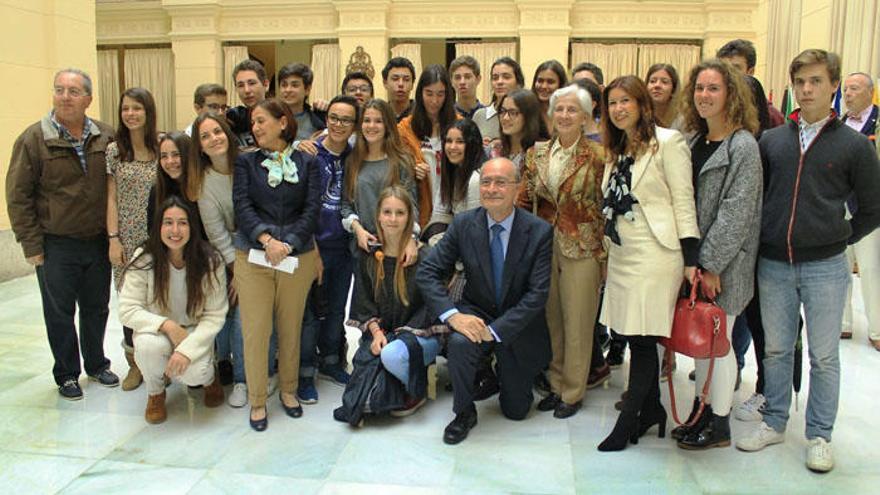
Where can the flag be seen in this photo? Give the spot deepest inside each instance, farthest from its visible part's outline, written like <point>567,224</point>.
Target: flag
<point>835,102</point>
<point>787,102</point>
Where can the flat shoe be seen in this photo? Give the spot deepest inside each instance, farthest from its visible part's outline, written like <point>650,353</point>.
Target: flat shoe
<point>294,412</point>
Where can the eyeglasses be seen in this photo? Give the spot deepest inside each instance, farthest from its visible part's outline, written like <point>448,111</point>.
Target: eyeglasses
<point>499,183</point>
<point>358,89</point>
<point>72,92</point>
<point>340,121</point>
<point>216,107</point>
<point>509,112</point>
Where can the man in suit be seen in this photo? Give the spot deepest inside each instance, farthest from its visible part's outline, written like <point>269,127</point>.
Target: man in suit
<point>861,116</point>
<point>506,254</point>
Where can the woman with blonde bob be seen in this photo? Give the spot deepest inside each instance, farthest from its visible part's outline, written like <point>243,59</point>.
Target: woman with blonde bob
<point>562,183</point>
<point>719,109</point>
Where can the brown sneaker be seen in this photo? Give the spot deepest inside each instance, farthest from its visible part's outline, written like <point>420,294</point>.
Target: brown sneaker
<point>214,393</point>
<point>411,405</point>
<point>156,412</point>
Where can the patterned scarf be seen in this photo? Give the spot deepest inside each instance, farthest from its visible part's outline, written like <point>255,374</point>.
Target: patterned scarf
<point>618,197</point>
<point>280,166</point>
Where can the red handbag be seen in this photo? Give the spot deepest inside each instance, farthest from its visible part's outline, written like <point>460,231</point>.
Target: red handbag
<point>699,330</point>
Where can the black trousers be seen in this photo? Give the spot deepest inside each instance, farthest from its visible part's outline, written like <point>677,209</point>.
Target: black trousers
<point>514,380</point>
<point>75,272</point>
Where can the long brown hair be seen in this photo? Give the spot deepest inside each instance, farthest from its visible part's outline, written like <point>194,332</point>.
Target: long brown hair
<point>739,105</point>
<point>534,127</point>
<point>614,139</point>
<point>164,183</point>
<point>399,192</point>
<point>672,107</point>
<point>200,258</point>
<point>123,135</point>
<point>199,161</point>
<point>398,156</point>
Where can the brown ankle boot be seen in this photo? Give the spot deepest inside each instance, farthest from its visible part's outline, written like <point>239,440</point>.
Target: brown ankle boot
<point>156,412</point>
<point>214,392</point>
<point>134,377</point>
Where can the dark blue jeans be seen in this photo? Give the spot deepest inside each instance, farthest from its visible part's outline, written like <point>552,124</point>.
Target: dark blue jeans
<point>76,272</point>
<point>741,338</point>
<point>325,336</point>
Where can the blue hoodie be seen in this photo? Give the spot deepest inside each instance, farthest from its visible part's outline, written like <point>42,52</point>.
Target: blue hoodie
<point>330,234</point>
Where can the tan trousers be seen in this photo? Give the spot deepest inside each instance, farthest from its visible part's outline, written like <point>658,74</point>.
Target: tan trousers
<point>152,352</point>
<point>571,317</point>
<point>267,296</point>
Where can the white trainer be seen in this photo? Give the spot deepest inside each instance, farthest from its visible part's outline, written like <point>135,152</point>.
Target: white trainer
<point>761,437</point>
<point>752,409</point>
<point>820,457</point>
<point>272,386</point>
<point>238,397</point>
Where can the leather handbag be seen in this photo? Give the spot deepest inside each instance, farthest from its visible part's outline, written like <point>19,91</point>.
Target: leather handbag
<point>699,327</point>
<point>699,330</point>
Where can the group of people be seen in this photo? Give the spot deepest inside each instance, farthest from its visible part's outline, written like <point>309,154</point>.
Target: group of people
<point>510,237</point>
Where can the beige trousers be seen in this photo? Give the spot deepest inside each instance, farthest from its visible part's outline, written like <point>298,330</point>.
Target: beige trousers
<point>571,317</point>
<point>268,297</point>
<point>151,353</point>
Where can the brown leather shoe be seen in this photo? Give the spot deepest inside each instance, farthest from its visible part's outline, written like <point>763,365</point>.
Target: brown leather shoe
<point>156,412</point>
<point>214,392</point>
<point>875,343</point>
<point>846,335</point>
<point>598,376</point>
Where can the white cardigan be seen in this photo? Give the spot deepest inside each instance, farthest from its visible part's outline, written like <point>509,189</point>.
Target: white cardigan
<point>138,311</point>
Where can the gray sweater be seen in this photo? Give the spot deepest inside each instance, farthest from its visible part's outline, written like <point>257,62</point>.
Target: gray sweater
<point>728,200</point>
<point>218,216</point>
<point>371,180</point>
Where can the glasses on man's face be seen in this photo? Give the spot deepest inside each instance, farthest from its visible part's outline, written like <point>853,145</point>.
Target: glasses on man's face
<point>500,183</point>
<point>340,121</point>
<point>72,92</point>
<point>358,89</point>
<point>217,107</point>
<point>511,113</point>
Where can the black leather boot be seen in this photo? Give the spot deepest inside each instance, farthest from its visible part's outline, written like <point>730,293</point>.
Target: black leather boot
<point>715,433</point>
<point>681,431</point>
<point>643,370</point>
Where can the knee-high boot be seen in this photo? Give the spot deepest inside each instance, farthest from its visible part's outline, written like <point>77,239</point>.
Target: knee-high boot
<point>643,370</point>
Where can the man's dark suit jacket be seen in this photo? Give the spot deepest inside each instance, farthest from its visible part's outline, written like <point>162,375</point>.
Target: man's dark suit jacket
<point>520,321</point>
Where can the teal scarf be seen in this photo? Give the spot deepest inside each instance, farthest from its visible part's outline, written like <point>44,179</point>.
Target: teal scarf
<point>281,167</point>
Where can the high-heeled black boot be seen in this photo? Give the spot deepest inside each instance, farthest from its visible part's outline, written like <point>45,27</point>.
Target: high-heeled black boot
<point>652,411</point>
<point>679,432</point>
<point>643,369</point>
<point>715,433</point>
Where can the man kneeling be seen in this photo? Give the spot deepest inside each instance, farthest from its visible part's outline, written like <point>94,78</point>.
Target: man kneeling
<point>506,255</point>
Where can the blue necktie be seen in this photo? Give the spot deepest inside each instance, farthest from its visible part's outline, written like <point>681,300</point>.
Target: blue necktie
<point>496,248</point>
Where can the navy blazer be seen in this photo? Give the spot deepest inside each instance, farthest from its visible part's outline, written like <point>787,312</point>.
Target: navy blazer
<point>520,321</point>
<point>288,212</point>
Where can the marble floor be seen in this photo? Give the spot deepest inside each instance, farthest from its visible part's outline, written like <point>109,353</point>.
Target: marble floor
<point>102,444</point>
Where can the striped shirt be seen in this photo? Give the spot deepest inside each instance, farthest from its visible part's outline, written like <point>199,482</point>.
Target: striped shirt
<point>78,144</point>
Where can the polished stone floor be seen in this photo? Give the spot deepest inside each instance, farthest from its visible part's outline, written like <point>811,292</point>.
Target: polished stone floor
<point>102,444</point>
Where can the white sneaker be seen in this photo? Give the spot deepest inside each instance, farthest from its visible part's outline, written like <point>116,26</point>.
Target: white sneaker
<point>238,397</point>
<point>763,436</point>
<point>272,386</point>
<point>751,410</point>
<point>820,457</point>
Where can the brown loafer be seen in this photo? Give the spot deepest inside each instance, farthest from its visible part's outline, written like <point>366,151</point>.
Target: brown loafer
<point>845,335</point>
<point>875,343</point>
<point>156,412</point>
<point>214,393</point>
<point>598,376</point>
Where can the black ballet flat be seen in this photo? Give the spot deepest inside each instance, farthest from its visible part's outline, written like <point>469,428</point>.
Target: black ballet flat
<point>293,412</point>
<point>259,424</point>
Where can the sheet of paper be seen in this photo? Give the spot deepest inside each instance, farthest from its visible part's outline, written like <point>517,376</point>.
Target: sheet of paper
<point>287,265</point>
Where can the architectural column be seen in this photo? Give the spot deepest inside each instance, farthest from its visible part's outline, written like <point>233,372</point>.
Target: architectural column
<point>198,53</point>
<point>727,21</point>
<point>364,23</point>
<point>544,30</point>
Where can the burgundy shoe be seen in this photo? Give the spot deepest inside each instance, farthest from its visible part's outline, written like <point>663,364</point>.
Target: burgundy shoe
<point>598,376</point>
<point>411,405</point>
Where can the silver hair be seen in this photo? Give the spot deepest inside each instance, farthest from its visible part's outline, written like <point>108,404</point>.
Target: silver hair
<point>517,173</point>
<point>582,95</point>
<point>866,76</point>
<point>87,81</point>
